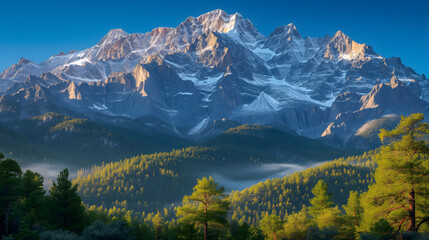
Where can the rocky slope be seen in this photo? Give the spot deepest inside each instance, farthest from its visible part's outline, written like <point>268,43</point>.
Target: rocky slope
<point>218,66</point>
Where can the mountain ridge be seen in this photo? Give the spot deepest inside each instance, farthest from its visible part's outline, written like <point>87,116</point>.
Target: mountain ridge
<point>217,66</point>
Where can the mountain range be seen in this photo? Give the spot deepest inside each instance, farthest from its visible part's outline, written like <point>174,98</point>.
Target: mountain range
<point>218,69</point>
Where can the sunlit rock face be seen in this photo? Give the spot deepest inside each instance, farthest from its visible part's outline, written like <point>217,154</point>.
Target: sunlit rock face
<point>218,66</point>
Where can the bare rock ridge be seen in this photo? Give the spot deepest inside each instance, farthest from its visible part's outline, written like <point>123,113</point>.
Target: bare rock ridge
<point>215,67</point>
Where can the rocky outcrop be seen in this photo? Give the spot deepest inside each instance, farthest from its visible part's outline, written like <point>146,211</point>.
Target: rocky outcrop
<point>352,111</point>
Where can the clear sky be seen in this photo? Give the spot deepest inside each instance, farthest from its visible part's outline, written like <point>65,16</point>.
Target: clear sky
<point>37,29</point>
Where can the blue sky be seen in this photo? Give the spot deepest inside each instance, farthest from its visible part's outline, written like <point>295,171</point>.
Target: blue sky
<point>38,29</point>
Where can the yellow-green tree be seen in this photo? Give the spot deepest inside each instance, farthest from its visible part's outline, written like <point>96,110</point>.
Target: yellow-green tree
<point>206,206</point>
<point>322,199</point>
<point>271,226</point>
<point>297,225</point>
<point>401,189</point>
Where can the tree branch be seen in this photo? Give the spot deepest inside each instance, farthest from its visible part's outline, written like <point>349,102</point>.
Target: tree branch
<point>421,222</point>
<point>402,221</point>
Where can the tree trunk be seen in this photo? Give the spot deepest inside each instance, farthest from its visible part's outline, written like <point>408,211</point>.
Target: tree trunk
<point>157,233</point>
<point>206,223</point>
<point>206,231</point>
<point>412,211</point>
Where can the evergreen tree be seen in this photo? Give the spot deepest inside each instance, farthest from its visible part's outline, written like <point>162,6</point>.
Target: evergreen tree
<point>322,199</point>
<point>206,206</point>
<point>353,211</point>
<point>67,207</point>
<point>353,208</point>
<point>10,173</point>
<point>33,196</point>
<point>240,232</point>
<point>401,190</point>
<point>157,222</point>
<point>297,225</point>
<point>255,233</point>
<point>271,226</point>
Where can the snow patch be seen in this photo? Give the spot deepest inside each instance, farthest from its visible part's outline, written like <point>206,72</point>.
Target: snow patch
<point>184,93</point>
<point>207,84</point>
<point>98,107</point>
<point>263,103</point>
<point>79,62</point>
<point>264,53</point>
<point>199,127</point>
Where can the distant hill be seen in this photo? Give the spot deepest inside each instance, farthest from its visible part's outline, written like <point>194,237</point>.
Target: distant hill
<point>58,138</point>
<point>147,183</point>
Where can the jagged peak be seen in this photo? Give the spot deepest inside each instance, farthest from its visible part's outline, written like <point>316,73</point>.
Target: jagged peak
<point>113,35</point>
<point>117,32</point>
<point>219,21</point>
<point>340,34</point>
<point>24,61</point>
<point>60,54</point>
<point>214,14</point>
<point>289,31</point>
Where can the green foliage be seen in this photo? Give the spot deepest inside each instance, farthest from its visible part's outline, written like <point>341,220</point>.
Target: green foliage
<point>322,199</point>
<point>58,235</point>
<point>271,225</point>
<point>297,225</point>
<point>99,230</point>
<point>68,208</point>
<point>33,196</point>
<point>273,145</point>
<point>240,231</point>
<point>382,229</point>
<point>354,212</point>
<point>353,208</point>
<point>206,206</point>
<point>255,233</point>
<point>288,194</point>
<point>10,173</point>
<point>400,192</point>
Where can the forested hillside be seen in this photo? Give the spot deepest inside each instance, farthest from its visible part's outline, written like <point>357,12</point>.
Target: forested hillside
<point>133,184</point>
<point>287,195</point>
<point>59,138</point>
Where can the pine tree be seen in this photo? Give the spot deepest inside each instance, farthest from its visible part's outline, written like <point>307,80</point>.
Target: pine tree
<point>297,225</point>
<point>157,222</point>
<point>67,207</point>
<point>10,174</point>
<point>206,206</point>
<point>353,208</point>
<point>322,199</point>
<point>271,225</point>
<point>33,196</point>
<point>354,212</point>
<point>401,189</point>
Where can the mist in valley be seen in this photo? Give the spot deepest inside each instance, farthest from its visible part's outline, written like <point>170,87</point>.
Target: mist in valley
<point>239,177</point>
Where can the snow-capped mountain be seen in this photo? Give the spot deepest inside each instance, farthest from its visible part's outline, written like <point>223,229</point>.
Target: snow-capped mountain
<point>218,66</point>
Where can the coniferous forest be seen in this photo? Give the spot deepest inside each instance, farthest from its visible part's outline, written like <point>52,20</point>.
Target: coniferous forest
<point>378,194</point>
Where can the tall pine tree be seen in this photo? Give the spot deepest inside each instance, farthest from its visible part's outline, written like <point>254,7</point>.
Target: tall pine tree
<point>206,206</point>
<point>401,189</point>
<point>10,174</point>
<point>322,199</point>
<point>67,207</point>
